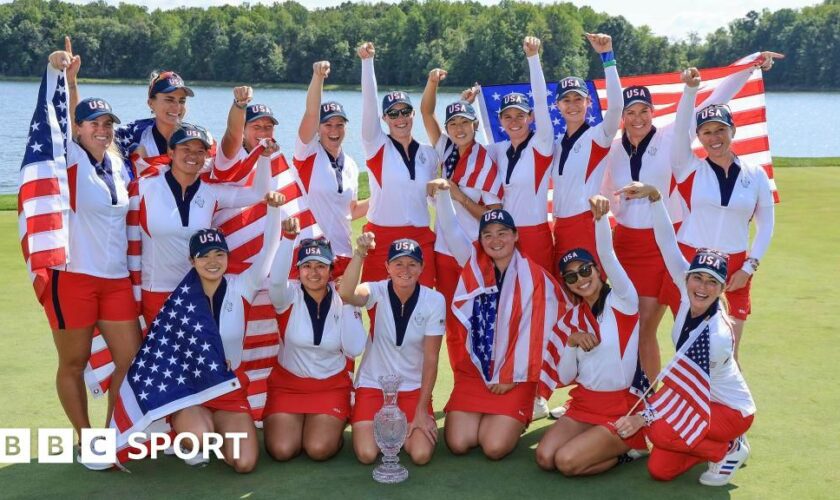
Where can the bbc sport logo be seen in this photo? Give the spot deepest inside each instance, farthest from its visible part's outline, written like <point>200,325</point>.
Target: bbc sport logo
<point>99,446</point>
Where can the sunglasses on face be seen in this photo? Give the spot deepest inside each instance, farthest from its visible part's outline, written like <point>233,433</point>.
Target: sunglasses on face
<point>583,271</point>
<point>395,113</point>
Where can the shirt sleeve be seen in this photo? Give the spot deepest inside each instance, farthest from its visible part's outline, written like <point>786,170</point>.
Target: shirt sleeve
<point>682,156</point>
<point>764,219</point>
<point>372,136</point>
<point>612,118</point>
<point>377,291</point>
<point>544,136</point>
<point>280,289</point>
<point>304,151</point>
<point>436,322</point>
<point>252,279</point>
<point>666,239</point>
<point>353,334</point>
<point>459,243</point>
<point>624,293</point>
<point>440,146</point>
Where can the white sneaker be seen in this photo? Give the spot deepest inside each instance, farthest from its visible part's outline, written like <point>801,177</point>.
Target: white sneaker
<point>90,465</point>
<point>558,412</point>
<point>540,408</point>
<point>720,473</point>
<point>196,460</point>
<point>637,454</point>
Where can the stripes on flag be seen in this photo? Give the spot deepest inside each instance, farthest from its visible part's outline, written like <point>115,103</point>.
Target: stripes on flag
<point>683,401</point>
<point>477,170</point>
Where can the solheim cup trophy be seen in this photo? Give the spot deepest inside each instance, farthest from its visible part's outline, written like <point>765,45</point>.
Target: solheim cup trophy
<point>389,430</point>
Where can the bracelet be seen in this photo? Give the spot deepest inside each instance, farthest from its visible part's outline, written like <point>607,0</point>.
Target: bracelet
<point>608,58</point>
<point>240,106</point>
<point>649,415</point>
<point>753,262</point>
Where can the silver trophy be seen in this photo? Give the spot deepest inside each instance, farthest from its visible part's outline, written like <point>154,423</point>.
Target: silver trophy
<point>390,428</point>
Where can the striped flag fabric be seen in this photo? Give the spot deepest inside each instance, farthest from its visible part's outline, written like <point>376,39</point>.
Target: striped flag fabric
<point>554,374</point>
<point>44,192</point>
<point>506,341</point>
<point>477,170</point>
<point>751,142</point>
<point>683,401</point>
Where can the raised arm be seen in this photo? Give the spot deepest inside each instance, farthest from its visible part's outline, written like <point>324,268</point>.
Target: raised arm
<point>622,287</point>
<point>279,289</point>
<point>311,117</point>
<point>353,334</point>
<point>612,118</point>
<point>254,277</point>
<point>428,103</point>
<point>352,292</point>
<point>66,60</point>
<point>235,131</point>
<point>544,134</point>
<point>459,243</point>
<point>682,155</point>
<point>372,133</point>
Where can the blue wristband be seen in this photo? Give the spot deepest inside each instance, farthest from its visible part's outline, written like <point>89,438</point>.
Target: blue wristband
<point>607,56</point>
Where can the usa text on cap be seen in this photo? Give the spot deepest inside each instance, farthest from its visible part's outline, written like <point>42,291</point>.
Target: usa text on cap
<point>460,108</point>
<point>318,250</point>
<point>635,94</point>
<point>710,262</point>
<point>391,99</point>
<point>205,240</point>
<point>572,84</point>
<point>256,111</point>
<point>577,254</point>
<point>515,100</point>
<point>168,82</point>
<point>496,216</point>
<point>189,132</point>
<point>92,108</point>
<point>715,113</point>
<point>330,109</point>
<point>405,247</point>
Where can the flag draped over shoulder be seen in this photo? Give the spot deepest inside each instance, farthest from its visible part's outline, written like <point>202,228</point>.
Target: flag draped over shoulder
<point>180,364</point>
<point>44,192</point>
<point>506,327</point>
<point>554,374</point>
<point>683,401</point>
<point>477,170</point>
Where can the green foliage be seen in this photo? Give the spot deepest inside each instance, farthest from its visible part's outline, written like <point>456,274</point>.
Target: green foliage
<point>474,42</point>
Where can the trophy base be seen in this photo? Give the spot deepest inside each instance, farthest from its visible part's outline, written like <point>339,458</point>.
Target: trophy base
<point>390,473</point>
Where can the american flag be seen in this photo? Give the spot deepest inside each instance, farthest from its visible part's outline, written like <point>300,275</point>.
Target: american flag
<point>128,137</point>
<point>684,398</point>
<point>44,193</point>
<point>554,374</point>
<point>475,169</point>
<point>491,100</point>
<point>526,310</point>
<point>181,363</point>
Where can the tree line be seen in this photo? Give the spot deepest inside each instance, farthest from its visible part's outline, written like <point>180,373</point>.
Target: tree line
<point>278,43</point>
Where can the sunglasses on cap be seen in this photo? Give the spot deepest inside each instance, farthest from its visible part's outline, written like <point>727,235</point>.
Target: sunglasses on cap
<point>395,113</point>
<point>583,271</point>
<point>323,242</point>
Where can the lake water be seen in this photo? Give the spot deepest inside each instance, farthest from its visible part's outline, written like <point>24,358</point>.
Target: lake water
<point>801,123</point>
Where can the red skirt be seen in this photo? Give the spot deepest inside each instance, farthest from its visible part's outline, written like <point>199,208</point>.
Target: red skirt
<point>740,305</point>
<point>369,401</point>
<point>288,393</point>
<point>374,268</point>
<point>535,242</point>
<point>448,273</point>
<point>639,255</point>
<point>235,401</point>
<point>577,231</point>
<point>471,394</point>
<point>152,303</point>
<point>603,408</point>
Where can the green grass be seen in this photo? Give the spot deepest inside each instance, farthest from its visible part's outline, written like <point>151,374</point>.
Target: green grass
<point>789,356</point>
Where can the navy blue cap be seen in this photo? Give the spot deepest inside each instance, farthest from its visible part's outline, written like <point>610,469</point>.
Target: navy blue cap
<point>405,247</point>
<point>391,99</point>
<point>188,132</point>
<point>332,108</point>
<point>205,240</point>
<point>637,93</point>
<point>572,84</point>
<point>515,100</point>
<point>460,108</point>
<point>577,254</point>
<point>167,82</point>
<point>496,216</point>
<point>256,111</point>
<point>92,108</point>
<point>318,249</point>
<point>714,113</point>
<point>711,262</point>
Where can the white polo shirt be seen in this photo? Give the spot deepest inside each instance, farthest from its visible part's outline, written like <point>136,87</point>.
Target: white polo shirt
<point>383,355</point>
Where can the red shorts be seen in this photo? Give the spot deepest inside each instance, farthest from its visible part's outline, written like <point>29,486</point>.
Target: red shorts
<point>639,255</point>
<point>740,305</point>
<point>339,265</point>
<point>603,408</point>
<point>288,393</point>
<point>535,243</point>
<point>471,394</point>
<point>577,231</point>
<point>374,268</point>
<point>448,273</point>
<point>235,401</point>
<point>369,401</point>
<point>152,304</point>
<point>76,300</point>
